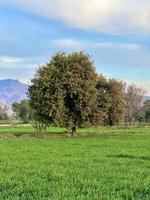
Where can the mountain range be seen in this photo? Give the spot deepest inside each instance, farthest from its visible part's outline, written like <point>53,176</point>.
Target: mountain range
<point>12,91</point>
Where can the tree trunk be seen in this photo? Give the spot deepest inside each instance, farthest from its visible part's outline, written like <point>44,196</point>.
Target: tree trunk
<point>73,133</point>
<point>126,123</point>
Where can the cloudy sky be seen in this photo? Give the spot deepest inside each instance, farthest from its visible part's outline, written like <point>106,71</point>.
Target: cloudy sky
<point>116,33</point>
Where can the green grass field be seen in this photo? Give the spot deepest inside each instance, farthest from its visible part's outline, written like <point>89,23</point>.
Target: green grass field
<point>113,165</point>
<point>27,129</point>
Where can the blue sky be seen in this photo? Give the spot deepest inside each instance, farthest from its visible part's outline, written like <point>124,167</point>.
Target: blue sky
<point>117,38</point>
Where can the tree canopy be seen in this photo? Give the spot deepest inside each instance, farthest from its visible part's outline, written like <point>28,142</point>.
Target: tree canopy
<point>67,91</point>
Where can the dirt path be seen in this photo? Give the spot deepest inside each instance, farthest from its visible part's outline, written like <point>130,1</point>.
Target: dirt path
<point>30,136</point>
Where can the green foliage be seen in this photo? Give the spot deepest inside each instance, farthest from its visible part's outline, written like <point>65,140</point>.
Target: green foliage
<point>117,107</point>
<point>91,168</point>
<point>100,113</point>
<point>79,89</point>
<point>63,92</point>
<point>22,110</point>
<point>144,112</point>
<point>68,92</point>
<point>110,105</point>
<point>146,108</point>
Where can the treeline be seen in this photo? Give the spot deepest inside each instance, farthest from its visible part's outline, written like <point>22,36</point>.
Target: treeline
<point>67,91</point>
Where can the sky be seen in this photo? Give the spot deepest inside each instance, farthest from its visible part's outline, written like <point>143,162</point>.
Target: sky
<point>116,33</point>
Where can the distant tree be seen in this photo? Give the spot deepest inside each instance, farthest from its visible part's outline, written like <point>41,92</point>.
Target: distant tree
<point>134,97</point>
<point>146,108</point>
<point>117,104</point>
<point>144,112</point>
<point>63,92</point>
<point>3,111</point>
<point>22,110</point>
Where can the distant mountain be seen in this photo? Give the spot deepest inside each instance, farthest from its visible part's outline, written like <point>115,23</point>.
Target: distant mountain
<point>145,98</point>
<point>12,91</point>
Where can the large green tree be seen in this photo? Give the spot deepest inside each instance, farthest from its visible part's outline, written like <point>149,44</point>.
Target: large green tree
<point>63,92</point>
<point>67,91</point>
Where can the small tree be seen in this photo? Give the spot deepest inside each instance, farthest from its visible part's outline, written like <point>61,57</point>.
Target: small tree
<point>38,124</point>
<point>22,110</point>
<point>3,111</point>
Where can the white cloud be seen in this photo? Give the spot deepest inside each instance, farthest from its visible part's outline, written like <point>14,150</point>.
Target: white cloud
<point>68,43</point>
<point>118,45</point>
<point>11,60</point>
<point>121,54</point>
<point>73,44</point>
<point>108,53</point>
<point>107,16</point>
<point>16,62</point>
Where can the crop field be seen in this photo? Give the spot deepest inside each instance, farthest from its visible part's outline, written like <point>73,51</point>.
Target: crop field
<point>26,129</point>
<point>113,164</point>
<point>21,129</point>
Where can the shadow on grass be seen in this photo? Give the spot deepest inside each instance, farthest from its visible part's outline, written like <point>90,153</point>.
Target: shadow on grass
<point>126,156</point>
